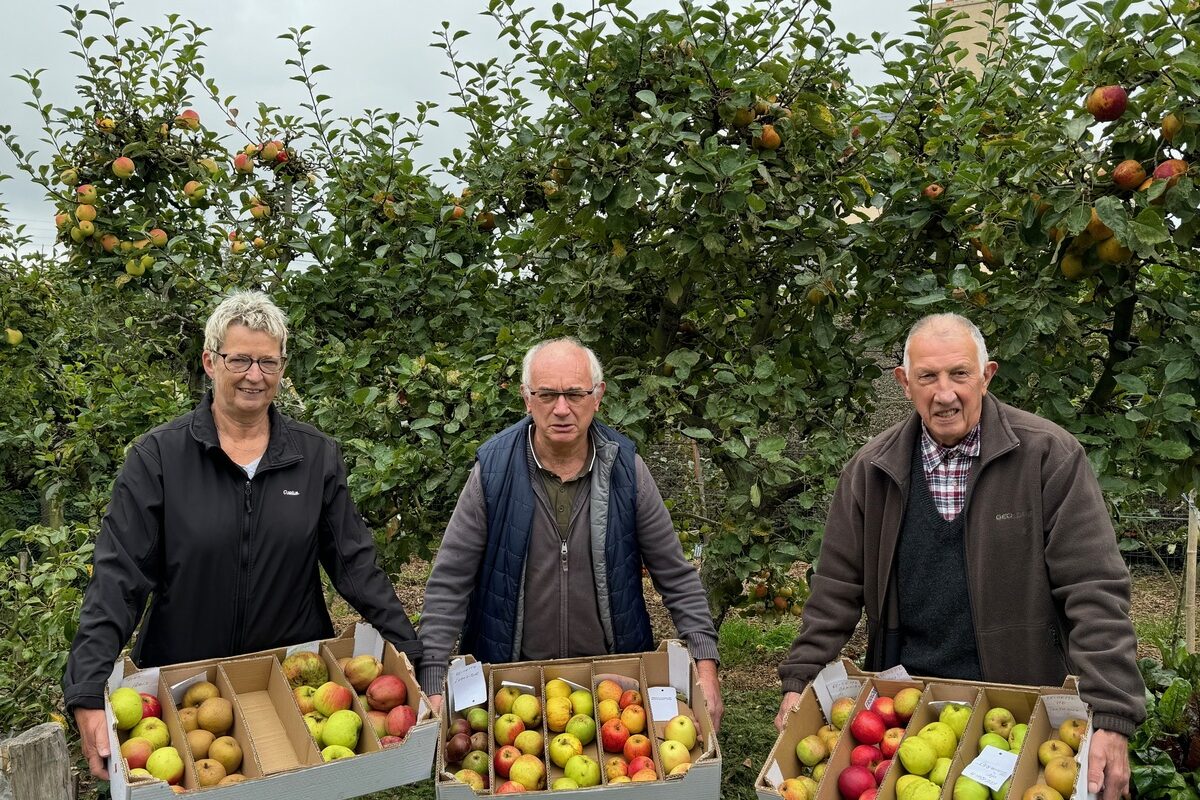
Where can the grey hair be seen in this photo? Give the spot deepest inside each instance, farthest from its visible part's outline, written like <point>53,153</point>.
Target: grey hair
<point>531,354</point>
<point>246,307</point>
<point>945,323</point>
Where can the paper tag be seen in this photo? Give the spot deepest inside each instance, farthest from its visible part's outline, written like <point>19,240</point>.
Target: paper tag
<point>896,673</point>
<point>663,705</point>
<point>679,667</point>
<point>367,641</point>
<point>422,708</point>
<point>1062,707</point>
<point>305,647</point>
<point>774,775</point>
<point>144,681</point>
<point>992,767</point>
<point>524,687</point>
<point>465,684</point>
<point>577,687</point>
<point>180,689</point>
<point>833,673</point>
<point>1085,749</point>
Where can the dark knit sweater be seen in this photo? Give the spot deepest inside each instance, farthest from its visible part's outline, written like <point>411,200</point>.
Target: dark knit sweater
<point>937,635</point>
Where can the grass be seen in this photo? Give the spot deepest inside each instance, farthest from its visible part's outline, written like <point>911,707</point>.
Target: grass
<point>744,642</point>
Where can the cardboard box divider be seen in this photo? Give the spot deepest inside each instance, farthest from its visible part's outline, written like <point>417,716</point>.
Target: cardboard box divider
<point>1029,769</point>
<point>628,673</point>
<point>526,675</point>
<point>782,762</point>
<point>442,770</point>
<point>339,779</point>
<point>925,713</point>
<point>702,782</point>
<point>393,664</point>
<point>577,672</point>
<point>269,712</point>
<point>656,671</point>
<point>170,677</point>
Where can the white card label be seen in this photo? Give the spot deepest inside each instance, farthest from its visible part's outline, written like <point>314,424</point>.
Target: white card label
<point>466,686</point>
<point>144,681</point>
<point>992,767</point>
<point>367,641</point>
<point>305,647</point>
<point>774,775</point>
<point>1062,707</point>
<point>896,673</point>
<point>180,689</point>
<point>524,687</point>
<point>679,666</point>
<point>832,677</point>
<point>662,703</point>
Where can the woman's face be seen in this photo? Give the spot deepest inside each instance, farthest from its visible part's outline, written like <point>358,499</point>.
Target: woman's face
<point>243,395</point>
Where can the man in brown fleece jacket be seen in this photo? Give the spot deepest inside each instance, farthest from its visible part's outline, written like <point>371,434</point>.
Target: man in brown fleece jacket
<point>542,557</point>
<point>975,537</point>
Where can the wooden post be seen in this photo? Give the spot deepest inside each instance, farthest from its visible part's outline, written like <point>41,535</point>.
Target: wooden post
<point>36,765</point>
<point>1189,575</point>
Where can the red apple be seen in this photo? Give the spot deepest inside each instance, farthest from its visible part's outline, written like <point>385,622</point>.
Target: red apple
<point>613,735</point>
<point>869,794</point>
<point>504,758</point>
<point>881,770</point>
<point>150,706</point>
<point>629,697</point>
<point>1128,175</point>
<point>637,745</point>
<point>854,780</point>
<point>886,708</point>
<point>1171,169</point>
<point>891,741</point>
<point>639,763</point>
<point>509,787</point>
<point>868,728</point>
<point>400,720</point>
<point>866,755</point>
<point>1107,103</point>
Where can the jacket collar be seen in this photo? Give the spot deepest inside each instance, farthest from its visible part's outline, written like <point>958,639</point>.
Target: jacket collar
<point>996,438</point>
<point>281,447</point>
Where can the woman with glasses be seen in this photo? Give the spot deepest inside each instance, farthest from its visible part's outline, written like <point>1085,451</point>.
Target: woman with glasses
<point>217,525</point>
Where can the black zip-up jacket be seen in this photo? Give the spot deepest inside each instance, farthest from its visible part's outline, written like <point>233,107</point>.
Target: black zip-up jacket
<point>231,564</point>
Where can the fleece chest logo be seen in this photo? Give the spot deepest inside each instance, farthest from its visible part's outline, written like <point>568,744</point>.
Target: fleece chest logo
<point>1012,515</point>
<point>291,493</point>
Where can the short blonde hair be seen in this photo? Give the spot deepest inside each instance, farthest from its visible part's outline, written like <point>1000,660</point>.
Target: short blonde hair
<point>246,307</point>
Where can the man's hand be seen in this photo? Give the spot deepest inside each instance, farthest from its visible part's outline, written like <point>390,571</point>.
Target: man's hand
<point>93,735</point>
<point>706,669</point>
<point>1108,765</point>
<point>435,703</point>
<point>791,701</point>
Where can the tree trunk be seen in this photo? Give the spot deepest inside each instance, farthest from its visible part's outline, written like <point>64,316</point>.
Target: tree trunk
<point>36,765</point>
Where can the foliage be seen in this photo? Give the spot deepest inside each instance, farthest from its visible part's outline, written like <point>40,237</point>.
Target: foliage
<point>39,610</point>
<point>703,195</point>
<point>1165,749</point>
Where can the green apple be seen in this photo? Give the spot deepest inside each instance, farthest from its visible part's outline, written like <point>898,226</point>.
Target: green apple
<point>999,720</point>
<point>811,750</point>
<point>1016,737</point>
<point>681,729</point>
<point>563,747</point>
<point>1002,792</point>
<point>941,736</point>
<point>941,769</point>
<point>563,783</point>
<point>582,727</point>
<point>166,764</point>
<point>917,755</point>
<point>342,727</point>
<point>335,751</point>
<point>993,740</point>
<point>956,717</point>
<point>581,702</point>
<point>583,770</point>
<point>967,789</point>
<point>127,707</point>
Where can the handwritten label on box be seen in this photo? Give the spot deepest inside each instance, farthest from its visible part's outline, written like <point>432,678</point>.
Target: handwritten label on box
<point>992,767</point>
<point>465,684</point>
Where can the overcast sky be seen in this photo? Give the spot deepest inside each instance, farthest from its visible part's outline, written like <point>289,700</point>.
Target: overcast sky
<point>378,52</point>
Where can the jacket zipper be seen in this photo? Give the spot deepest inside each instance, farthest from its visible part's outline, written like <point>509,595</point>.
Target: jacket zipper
<point>562,592</point>
<point>243,559</point>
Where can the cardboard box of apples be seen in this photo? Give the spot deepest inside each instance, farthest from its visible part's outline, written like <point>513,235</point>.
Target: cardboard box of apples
<point>862,736</point>
<point>623,726</point>
<point>335,718</point>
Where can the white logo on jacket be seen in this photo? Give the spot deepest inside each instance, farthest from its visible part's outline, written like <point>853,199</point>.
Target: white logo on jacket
<point>291,493</point>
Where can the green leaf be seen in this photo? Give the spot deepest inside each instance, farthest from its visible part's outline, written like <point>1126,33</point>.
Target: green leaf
<point>770,447</point>
<point>647,97</point>
<point>697,433</point>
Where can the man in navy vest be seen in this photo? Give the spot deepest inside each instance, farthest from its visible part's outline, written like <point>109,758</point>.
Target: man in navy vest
<point>543,555</point>
<point>976,538</point>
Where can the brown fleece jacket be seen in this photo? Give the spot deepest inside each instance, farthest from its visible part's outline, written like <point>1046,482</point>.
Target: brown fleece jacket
<point>1048,589</point>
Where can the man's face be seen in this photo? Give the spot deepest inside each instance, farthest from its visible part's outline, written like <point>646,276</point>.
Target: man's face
<point>944,383</point>
<point>243,395</point>
<point>561,423</point>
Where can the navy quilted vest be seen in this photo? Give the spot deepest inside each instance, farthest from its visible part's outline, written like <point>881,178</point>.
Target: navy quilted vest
<point>509,497</point>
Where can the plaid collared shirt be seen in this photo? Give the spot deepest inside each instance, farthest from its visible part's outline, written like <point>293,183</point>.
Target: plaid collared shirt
<point>947,470</point>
